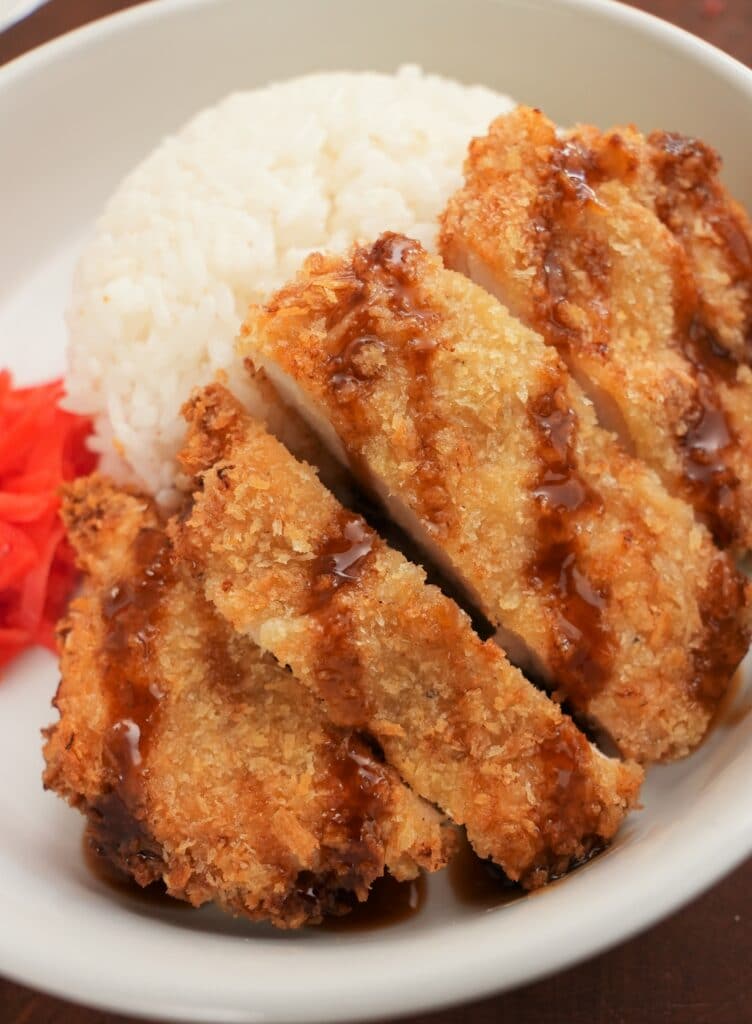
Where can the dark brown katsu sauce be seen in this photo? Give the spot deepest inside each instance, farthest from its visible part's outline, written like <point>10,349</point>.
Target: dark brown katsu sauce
<point>705,350</point>
<point>706,444</point>
<point>568,806</point>
<point>131,615</point>
<point>594,847</point>
<point>340,560</point>
<point>479,883</point>
<point>389,903</point>
<point>121,882</point>
<point>386,280</point>
<point>707,439</point>
<point>689,171</point>
<point>583,644</point>
<point>338,566</point>
<point>360,802</point>
<point>568,187</point>
<point>360,799</point>
<point>731,711</point>
<point>725,635</point>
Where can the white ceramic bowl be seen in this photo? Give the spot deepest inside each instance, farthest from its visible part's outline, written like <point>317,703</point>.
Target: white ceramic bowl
<point>12,11</point>
<point>79,113</point>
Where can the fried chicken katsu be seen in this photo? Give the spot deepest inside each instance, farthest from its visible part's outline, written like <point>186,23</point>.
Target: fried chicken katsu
<point>679,178</point>
<point>481,444</point>
<point>596,242</point>
<point>311,583</point>
<point>196,758</point>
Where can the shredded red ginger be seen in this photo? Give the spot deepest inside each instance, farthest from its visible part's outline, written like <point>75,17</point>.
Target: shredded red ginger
<point>41,445</point>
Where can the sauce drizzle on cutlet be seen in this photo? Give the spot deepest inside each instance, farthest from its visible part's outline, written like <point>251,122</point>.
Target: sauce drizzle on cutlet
<point>361,791</point>
<point>583,643</point>
<point>360,801</point>
<point>565,754</point>
<point>725,636</point>
<point>131,613</point>
<point>688,171</point>
<point>568,187</point>
<point>385,279</point>
<point>339,564</point>
<point>707,437</point>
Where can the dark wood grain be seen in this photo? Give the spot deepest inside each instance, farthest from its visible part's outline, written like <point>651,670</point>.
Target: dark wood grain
<point>694,968</point>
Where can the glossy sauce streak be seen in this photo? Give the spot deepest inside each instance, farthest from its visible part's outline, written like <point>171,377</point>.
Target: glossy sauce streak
<point>566,756</point>
<point>121,883</point>
<point>389,903</point>
<point>360,802</point>
<point>725,639</point>
<point>708,438</point>
<point>386,281</point>
<point>349,368</point>
<point>706,350</point>
<point>361,793</point>
<point>480,883</point>
<point>339,564</point>
<point>688,170</point>
<point>361,789</point>
<point>581,658</point>
<point>706,444</point>
<point>568,188</point>
<point>131,614</point>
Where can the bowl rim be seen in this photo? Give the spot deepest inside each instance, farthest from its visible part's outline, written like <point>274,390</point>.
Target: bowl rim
<point>149,10</point>
<point>712,854</point>
<point>17,11</point>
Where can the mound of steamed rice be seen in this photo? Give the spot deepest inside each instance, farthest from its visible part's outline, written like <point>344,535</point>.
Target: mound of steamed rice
<point>224,212</point>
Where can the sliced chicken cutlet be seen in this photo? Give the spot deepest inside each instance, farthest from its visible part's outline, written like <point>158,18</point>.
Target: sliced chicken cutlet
<point>196,758</point>
<point>390,655</point>
<point>546,224</point>
<point>481,444</point>
<point>679,178</point>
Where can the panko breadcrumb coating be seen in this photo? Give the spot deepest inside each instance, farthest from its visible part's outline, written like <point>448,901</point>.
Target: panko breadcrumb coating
<point>196,758</point>
<point>629,257</point>
<point>477,438</point>
<point>679,178</point>
<point>311,583</point>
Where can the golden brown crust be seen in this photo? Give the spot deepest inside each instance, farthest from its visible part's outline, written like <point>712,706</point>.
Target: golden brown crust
<point>564,231</point>
<point>564,540</point>
<point>680,178</point>
<point>360,628</point>
<point>232,786</point>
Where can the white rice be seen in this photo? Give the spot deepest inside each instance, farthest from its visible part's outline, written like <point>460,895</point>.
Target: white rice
<point>224,212</point>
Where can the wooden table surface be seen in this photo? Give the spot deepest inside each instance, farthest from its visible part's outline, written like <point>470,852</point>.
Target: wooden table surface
<point>694,968</point>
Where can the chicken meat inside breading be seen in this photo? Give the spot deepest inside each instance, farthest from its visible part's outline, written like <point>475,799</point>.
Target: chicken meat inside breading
<point>478,440</point>
<point>630,258</point>
<point>390,655</point>
<point>196,758</point>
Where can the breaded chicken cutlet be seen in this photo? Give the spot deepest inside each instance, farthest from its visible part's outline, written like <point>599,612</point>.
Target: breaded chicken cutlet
<point>311,583</point>
<point>481,444</point>
<point>594,244</point>
<point>679,178</point>
<point>196,759</point>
